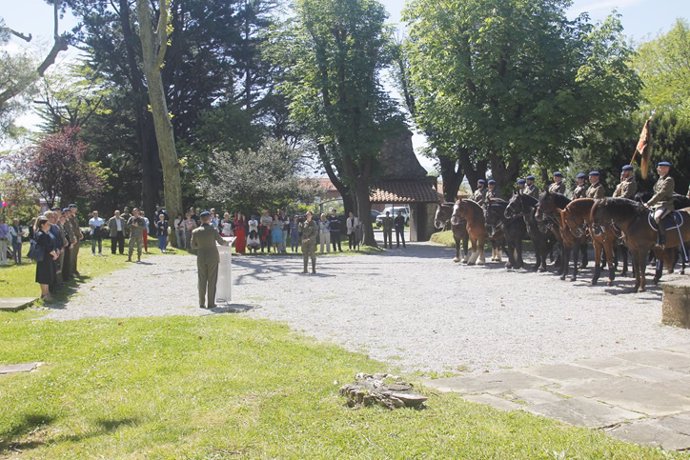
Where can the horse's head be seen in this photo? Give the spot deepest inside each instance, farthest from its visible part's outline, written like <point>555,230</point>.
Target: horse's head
<point>444,212</point>
<point>514,207</point>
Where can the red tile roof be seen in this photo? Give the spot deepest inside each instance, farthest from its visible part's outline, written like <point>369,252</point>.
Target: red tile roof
<point>404,192</point>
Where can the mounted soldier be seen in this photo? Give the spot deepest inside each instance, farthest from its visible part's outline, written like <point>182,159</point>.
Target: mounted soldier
<point>531,189</point>
<point>558,186</point>
<point>479,194</point>
<point>661,203</point>
<point>596,189</point>
<point>580,190</point>
<point>627,188</point>
<point>491,192</point>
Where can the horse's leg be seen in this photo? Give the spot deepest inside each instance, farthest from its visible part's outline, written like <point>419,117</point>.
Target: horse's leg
<point>659,267</point>
<point>474,253</point>
<point>457,249</point>
<point>642,273</point>
<point>465,247</point>
<point>565,260</point>
<point>609,253</point>
<point>576,261</point>
<point>639,259</point>
<point>480,243</point>
<point>597,259</point>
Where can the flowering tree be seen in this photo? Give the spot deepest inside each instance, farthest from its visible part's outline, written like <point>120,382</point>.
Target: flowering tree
<point>57,167</point>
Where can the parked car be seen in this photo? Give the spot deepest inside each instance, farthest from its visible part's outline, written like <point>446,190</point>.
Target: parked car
<point>394,212</point>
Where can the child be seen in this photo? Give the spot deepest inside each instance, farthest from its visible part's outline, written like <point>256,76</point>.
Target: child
<point>253,242</point>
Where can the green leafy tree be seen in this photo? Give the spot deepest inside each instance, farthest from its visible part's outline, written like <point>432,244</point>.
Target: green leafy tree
<point>514,82</point>
<point>333,53</point>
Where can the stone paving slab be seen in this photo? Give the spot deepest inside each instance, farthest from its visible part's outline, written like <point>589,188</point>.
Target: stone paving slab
<point>584,412</point>
<point>17,368</point>
<point>15,303</point>
<point>492,383</point>
<point>533,397</point>
<point>494,401</point>
<point>609,365</point>
<point>659,358</point>
<point>653,374</point>
<point>651,432</point>
<point>566,373</point>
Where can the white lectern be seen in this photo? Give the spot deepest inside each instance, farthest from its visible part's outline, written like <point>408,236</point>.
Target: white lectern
<point>224,285</point>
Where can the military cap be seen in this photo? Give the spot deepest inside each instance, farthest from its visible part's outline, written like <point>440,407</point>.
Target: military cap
<point>481,181</point>
<point>205,214</point>
<point>581,175</point>
<point>492,182</point>
<point>627,168</point>
<point>594,173</point>
<point>664,163</point>
<point>65,209</point>
<point>72,205</point>
<point>530,177</point>
<point>558,174</point>
<point>521,181</point>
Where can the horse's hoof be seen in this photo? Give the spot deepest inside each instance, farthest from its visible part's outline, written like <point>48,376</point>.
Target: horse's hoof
<point>573,278</point>
<point>541,269</point>
<point>655,281</point>
<point>469,264</point>
<point>509,266</point>
<point>595,281</point>
<point>563,277</point>
<point>642,289</point>
<point>456,260</point>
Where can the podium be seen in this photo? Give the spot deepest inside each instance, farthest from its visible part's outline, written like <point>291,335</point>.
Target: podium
<point>224,285</point>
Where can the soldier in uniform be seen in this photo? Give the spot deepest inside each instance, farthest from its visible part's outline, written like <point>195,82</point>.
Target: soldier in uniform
<point>479,194</point>
<point>627,188</point>
<point>204,239</point>
<point>662,201</point>
<point>595,189</point>
<point>309,232</point>
<point>558,186</point>
<point>136,225</point>
<point>125,216</point>
<point>491,192</point>
<point>520,186</point>
<point>74,259</point>
<point>580,190</point>
<point>531,189</point>
<point>387,230</point>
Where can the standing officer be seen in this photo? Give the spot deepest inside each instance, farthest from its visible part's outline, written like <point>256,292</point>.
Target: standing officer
<point>531,189</point>
<point>74,259</point>
<point>399,224</point>
<point>309,235</point>
<point>479,195</point>
<point>558,186</point>
<point>580,190</point>
<point>136,225</point>
<point>491,192</point>
<point>627,188</point>
<point>662,201</point>
<point>204,239</point>
<point>387,230</point>
<point>595,189</point>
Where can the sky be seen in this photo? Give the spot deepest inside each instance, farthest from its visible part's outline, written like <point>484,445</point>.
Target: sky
<point>642,21</point>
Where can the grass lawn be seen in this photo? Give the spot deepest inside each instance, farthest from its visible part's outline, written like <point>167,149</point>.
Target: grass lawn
<point>443,238</point>
<point>226,386</point>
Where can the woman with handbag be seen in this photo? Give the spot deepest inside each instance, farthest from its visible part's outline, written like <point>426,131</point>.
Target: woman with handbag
<point>44,253</point>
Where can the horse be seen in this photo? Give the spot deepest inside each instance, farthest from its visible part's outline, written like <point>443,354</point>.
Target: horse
<point>576,218</point>
<point>549,212</point>
<point>634,221</point>
<point>521,205</point>
<point>476,229</point>
<point>509,231</point>
<point>443,215</point>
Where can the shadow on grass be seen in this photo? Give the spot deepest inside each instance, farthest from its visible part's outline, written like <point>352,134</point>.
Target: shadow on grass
<point>27,427</point>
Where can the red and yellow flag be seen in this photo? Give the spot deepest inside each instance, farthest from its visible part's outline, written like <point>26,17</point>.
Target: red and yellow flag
<point>642,149</point>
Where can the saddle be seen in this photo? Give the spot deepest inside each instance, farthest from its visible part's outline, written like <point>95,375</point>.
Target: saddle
<point>671,221</point>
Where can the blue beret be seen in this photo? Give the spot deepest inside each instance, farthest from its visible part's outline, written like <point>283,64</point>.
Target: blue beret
<point>530,177</point>
<point>581,175</point>
<point>481,181</point>
<point>491,181</point>
<point>72,205</point>
<point>65,210</point>
<point>627,168</point>
<point>204,214</point>
<point>594,173</point>
<point>558,174</point>
<point>521,181</point>
<point>664,163</point>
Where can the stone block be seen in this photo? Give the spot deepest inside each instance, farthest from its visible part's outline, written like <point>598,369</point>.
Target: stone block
<point>584,412</point>
<point>658,358</point>
<point>652,432</point>
<point>675,305</point>
<point>15,303</point>
<point>495,383</point>
<point>494,401</point>
<point>16,368</point>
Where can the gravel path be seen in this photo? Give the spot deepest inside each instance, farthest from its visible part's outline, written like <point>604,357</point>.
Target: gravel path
<point>413,308</point>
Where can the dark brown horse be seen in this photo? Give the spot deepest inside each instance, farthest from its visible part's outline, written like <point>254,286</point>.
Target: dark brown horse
<point>442,218</point>
<point>521,205</point>
<point>548,212</point>
<point>633,219</point>
<point>473,214</point>
<point>576,218</point>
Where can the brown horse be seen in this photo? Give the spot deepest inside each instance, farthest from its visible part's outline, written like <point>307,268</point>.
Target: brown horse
<point>443,215</point>
<point>633,219</point>
<point>476,228</point>
<point>548,212</point>
<point>576,218</point>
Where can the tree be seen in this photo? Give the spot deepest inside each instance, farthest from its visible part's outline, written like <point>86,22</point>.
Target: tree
<point>58,169</point>
<point>513,82</point>
<point>265,177</point>
<point>664,66</point>
<point>153,44</point>
<point>333,54</point>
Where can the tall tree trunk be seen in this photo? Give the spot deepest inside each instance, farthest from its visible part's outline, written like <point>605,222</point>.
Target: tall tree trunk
<point>363,211</point>
<point>473,172</point>
<point>153,52</point>
<point>504,173</point>
<point>451,178</point>
<point>344,190</point>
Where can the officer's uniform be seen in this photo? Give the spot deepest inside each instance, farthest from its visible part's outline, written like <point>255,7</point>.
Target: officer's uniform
<point>479,196</point>
<point>309,234</point>
<point>387,222</point>
<point>74,258</point>
<point>596,191</point>
<point>204,240</point>
<point>626,189</point>
<point>580,191</point>
<point>662,202</point>
<point>531,190</point>
<point>136,226</point>
<point>557,187</point>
